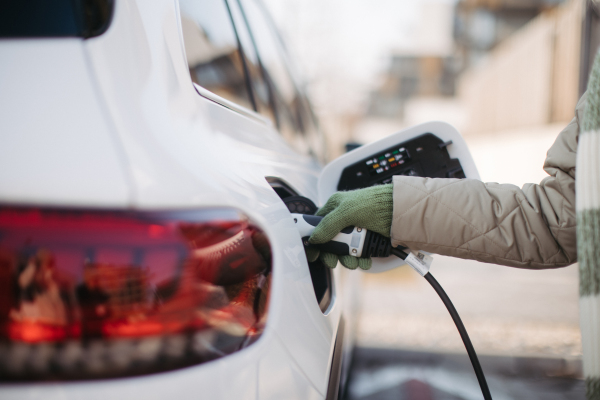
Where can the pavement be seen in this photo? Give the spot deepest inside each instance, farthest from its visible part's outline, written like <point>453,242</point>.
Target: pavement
<point>383,374</point>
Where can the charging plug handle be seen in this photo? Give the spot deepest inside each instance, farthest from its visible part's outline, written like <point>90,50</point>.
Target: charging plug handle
<point>350,241</point>
<point>354,241</point>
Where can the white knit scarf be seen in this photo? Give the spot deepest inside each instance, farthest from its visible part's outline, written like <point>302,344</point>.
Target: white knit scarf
<point>588,233</point>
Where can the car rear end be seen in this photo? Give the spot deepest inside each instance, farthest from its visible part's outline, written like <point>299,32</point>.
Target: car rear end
<point>142,250</point>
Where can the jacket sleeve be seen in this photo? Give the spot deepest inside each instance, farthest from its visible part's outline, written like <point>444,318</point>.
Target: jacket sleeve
<point>532,227</point>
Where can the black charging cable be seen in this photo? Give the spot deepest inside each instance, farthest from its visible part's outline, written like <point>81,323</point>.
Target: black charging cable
<point>485,390</point>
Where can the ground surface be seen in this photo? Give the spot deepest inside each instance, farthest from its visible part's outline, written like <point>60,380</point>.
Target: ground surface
<point>379,374</point>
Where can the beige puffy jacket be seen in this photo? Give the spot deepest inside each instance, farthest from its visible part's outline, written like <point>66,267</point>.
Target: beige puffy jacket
<point>532,227</point>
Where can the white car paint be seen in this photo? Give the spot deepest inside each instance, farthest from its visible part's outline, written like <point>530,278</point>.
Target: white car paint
<point>57,144</point>
<point>115,121</point>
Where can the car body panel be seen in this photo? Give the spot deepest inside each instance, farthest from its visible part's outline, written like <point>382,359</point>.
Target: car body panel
<point>58,146</point>
<point>172,148</point>
<point>274,368</point>
<point>200,144</point>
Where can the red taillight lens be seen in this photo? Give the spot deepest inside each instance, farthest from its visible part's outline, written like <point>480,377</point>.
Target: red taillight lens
<point>92,294</point>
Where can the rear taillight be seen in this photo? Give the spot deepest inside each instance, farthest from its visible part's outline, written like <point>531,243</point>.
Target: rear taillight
<point>96,294</point>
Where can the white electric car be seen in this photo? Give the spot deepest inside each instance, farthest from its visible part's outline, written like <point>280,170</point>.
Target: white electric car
<point>150,154</point>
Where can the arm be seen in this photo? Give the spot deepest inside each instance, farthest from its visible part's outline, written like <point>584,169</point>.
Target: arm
<point>532,227</point>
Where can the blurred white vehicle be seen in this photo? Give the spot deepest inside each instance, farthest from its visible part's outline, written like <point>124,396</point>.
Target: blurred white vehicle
<point>150,153</point>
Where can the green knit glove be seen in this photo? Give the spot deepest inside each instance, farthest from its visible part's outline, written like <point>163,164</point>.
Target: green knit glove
<point>331,260</point>
<point>369,208</point>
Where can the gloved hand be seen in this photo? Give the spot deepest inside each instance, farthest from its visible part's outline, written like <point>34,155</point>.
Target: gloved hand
<point>330,260</point>
<point>369,208</point>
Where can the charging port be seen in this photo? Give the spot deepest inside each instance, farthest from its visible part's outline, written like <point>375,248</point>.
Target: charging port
<point>320,275</point>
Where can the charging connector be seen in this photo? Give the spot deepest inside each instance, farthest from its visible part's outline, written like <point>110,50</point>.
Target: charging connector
<point>350,241</point>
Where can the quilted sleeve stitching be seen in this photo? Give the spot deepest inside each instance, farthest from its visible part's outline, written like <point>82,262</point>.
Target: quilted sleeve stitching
<point>449,209</point>
<point>492,229</point>
<point>481,234</point>
<point>423,199</point>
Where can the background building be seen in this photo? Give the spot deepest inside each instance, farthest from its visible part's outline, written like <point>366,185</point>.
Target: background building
<point>530,78</point>
<point>480,25</point>
<point>412,76</point>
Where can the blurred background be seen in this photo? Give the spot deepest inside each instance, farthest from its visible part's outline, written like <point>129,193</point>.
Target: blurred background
<point>507,74</point>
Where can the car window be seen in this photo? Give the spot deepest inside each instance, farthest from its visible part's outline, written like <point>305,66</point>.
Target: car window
<point>285,95</point>
<point>212,50</point>
<point>58,18</point>
<point>260,88</point>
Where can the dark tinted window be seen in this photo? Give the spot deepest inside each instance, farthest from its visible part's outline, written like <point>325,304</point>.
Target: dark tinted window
<point>285,95</point>
<point>260,89</point>
<point>212,49</point>
<point>56,18</point>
